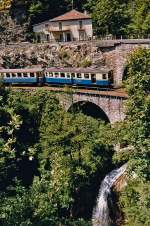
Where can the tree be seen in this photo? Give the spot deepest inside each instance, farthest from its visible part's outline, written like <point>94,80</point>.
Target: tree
<point>71,154</point>
<point>136,131</point>
<point>9,124</point>
<point>110,17</point>
<point>70,144</point>
<point>140,18</point>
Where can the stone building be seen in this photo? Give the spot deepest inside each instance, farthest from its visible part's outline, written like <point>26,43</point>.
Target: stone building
<point>71,26</point>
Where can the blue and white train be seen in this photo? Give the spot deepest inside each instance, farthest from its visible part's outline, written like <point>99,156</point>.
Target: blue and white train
<point>65,76</point>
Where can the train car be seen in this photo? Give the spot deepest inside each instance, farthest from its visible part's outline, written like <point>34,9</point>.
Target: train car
<point>102,77</point>
<point>79,76</point>
<point>22,76</point>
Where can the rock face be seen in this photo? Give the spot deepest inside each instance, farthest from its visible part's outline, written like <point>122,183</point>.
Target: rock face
<point>13,25</point>
<point>75,55</point>
<point>117,213</point>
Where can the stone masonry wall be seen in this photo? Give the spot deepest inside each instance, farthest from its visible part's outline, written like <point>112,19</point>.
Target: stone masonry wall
<point>117,59</point>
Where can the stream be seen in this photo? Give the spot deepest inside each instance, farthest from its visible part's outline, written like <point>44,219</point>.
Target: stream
<point>100,215</point>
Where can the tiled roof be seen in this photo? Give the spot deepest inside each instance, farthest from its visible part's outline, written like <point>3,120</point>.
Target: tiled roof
<point>71,15</point>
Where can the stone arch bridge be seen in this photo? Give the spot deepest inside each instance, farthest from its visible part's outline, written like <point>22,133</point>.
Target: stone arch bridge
<point>108,105</point>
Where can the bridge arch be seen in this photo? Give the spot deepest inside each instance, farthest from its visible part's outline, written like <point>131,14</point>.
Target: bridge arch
<point>90,109</point>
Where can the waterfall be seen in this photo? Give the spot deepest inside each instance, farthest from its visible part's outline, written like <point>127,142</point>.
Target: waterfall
<point>101,211</point>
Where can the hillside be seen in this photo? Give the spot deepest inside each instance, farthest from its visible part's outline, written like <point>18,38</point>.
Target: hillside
<point>128,18</point>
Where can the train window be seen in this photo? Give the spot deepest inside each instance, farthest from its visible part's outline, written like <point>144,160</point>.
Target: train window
<point>104,76</point>
<point>62,75</point>
<point>79,75</point>
<point>73,75</point>
<point>25,75</point>
<point>68,75</point>
<point>109,75</point>
<point>13,75</point>
<point>93,75</point>
<point>86,76</point>
<point>19,74</point>
<point>32,74</point>
<point>50,74</point>
<point>56,75</point>
<point>7,75</point>
<point>93,78</point>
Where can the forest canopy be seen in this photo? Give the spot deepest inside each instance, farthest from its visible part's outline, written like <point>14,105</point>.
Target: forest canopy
<point>115,17</point>
<point>49,161</point>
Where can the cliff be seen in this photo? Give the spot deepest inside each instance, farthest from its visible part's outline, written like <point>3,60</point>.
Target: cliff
<point>14,24</point>
<point>75,55</point>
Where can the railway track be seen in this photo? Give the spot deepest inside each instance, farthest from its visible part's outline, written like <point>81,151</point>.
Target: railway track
<point>97,91</point>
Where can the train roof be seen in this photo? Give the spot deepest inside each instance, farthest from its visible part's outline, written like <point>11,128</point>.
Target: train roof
<point>20,70</point>
<point>56,69</point>
<point>78,70</point>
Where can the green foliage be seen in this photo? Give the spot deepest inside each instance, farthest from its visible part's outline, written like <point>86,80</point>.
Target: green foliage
<point>136,203</point>
<point>140,17</point>
<point>63,55</point>
<point>138,88</point>
<point>10,123</point>
<point>110,17</point>
<point>117,17</point>
<point>135,131</point>
<point>85,63</point>
<point>56,156</point>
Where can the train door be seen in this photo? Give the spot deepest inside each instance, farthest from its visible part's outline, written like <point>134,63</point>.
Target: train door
<point>40,78</point>
<point>93,78</point>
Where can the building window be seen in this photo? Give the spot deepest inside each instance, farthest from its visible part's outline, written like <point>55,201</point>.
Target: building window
<point>60,26</point>
<point>46,25</point>
<point>80,24</point>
